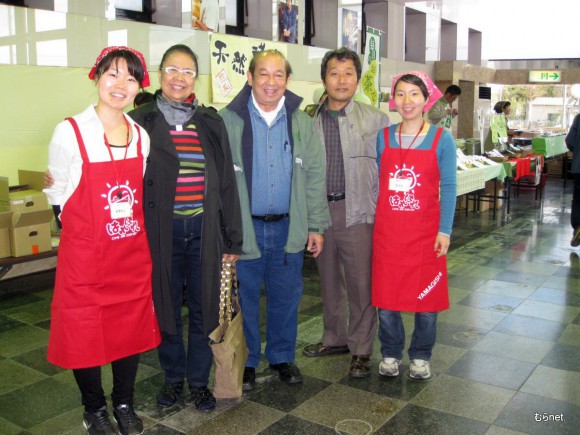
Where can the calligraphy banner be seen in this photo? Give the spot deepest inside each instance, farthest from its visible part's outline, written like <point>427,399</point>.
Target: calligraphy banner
<point>370,69</point>
<point>229,61</point>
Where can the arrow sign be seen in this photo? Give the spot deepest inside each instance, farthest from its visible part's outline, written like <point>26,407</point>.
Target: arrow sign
<point>544,77</point>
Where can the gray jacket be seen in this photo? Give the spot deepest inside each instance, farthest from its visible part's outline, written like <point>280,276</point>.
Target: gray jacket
<point>358,138</point>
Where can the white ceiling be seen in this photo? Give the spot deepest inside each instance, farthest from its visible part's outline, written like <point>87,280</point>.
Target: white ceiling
<point>516,29</point>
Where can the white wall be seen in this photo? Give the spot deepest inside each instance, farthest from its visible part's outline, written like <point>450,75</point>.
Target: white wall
<point>47,71</point>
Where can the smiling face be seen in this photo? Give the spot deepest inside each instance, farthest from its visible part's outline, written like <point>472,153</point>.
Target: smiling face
<point>269,80</point>
<point>116,86</point>
<point>409,101</point>
<point>178,87</point>
<point>340,82</point>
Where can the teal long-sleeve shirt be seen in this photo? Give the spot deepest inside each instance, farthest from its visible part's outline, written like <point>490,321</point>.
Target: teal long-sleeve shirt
<point>447,161</point>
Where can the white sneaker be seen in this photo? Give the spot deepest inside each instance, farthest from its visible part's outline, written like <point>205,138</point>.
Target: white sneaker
<point>420,369</point>
<point>389,367</point>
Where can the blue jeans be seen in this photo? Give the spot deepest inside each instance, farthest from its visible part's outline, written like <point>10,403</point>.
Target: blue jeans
<point>281,274</point>
<point>186,272</point>
<point>392,335</point>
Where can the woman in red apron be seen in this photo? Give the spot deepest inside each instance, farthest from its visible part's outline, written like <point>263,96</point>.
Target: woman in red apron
<point>102,308</point>
<point>415,209</point>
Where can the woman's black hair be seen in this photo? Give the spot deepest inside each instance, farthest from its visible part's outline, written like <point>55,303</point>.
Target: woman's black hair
<point>500,105</point>
<point>112,60</point>
<point>413,80</point>
<point>180,48</point>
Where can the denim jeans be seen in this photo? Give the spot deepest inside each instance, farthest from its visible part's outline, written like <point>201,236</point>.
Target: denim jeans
<point>575,218</point>
<point>186,272</point>
<point>281,274</point>
<point>392,335</point>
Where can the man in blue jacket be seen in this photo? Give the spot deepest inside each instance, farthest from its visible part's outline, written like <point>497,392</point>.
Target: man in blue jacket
<point>280,172</point>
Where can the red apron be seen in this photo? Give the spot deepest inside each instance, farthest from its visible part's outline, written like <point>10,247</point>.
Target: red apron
<point>102,307</point>
<point>407,275</point>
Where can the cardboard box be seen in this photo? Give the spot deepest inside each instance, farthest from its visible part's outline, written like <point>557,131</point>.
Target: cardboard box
<point>489,190</point>
<point>555,167</point>
<point>27,230</point>
<point>30,232</point>
<point>26,196</point>
<point>5,223</point>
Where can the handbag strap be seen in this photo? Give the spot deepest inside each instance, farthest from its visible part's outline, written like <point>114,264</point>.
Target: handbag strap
<point>228,292</point>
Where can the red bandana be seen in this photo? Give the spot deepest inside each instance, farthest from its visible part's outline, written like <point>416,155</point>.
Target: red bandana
<point>108,50</point>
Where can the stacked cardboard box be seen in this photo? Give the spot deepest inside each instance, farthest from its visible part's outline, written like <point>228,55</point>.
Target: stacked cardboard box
<point>30,216</point>
<point>489,190</point>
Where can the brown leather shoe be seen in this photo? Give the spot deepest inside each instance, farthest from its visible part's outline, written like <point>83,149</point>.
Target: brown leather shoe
<point>360,366</point>
<point>320,349</point>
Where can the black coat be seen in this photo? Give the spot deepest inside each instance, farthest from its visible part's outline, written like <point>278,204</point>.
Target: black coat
<point>222,222</point>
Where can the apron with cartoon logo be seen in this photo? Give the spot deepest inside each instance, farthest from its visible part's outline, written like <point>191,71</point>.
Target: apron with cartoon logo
<point>102,307</point>
<point>407,275</point>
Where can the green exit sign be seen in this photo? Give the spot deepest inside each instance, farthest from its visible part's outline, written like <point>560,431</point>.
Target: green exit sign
<point>545,76</point>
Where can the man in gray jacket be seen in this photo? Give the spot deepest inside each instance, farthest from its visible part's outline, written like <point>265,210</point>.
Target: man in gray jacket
<point>348,130</point>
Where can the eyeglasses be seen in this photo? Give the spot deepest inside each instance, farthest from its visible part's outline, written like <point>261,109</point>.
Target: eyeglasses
<point>172,71</point>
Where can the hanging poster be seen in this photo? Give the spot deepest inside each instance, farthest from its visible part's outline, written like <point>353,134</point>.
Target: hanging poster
<point>370,69</point>
<point>350,29</point>
<point>205,15</point>
<point>288,21</point>
<point>229,61</point>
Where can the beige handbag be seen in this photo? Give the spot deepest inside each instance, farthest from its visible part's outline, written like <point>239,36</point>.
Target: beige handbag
<point>227,341</point>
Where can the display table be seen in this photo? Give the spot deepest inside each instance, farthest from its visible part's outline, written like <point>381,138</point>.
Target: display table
<point>549,146</point>
<point>498,174</point>
<point>495,171</point>
<point>470,180</point>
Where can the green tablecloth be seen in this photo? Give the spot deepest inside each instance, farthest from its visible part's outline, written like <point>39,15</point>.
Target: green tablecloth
<point>495,171</point>
<point>549,146</point>
<point>509,168</point>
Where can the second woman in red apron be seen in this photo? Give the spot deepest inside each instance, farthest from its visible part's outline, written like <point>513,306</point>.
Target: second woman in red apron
<point>414,218</point>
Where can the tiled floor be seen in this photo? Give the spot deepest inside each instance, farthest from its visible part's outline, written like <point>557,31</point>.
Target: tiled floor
<point>507,358</point>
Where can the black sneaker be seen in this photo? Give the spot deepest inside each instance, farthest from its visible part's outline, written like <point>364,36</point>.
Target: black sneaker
<point>202,398</point>
<point>129,423</point>
<point>288,372</point>
<point>249,380</point>
<point>169,394</point>
<point>98,423</point>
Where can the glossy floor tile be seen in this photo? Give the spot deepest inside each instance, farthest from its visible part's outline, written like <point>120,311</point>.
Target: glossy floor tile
<point>506,360</point>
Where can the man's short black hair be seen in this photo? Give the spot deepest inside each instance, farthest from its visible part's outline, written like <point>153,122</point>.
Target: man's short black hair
<point>342,54</point>
<point>453,90</point>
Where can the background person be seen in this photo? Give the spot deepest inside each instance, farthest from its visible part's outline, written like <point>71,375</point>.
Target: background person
<point>573,144</point>
<point>505,107</point>
<point>442,112</point>
<point>191,212</point>
<point>142,98</point>
<point>414,218</point>
<point>348,131</point>
<point>281,180</point>
<point>102,308</point>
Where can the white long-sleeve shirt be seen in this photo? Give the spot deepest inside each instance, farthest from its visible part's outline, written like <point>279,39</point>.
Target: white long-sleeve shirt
<point>64,156</point>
